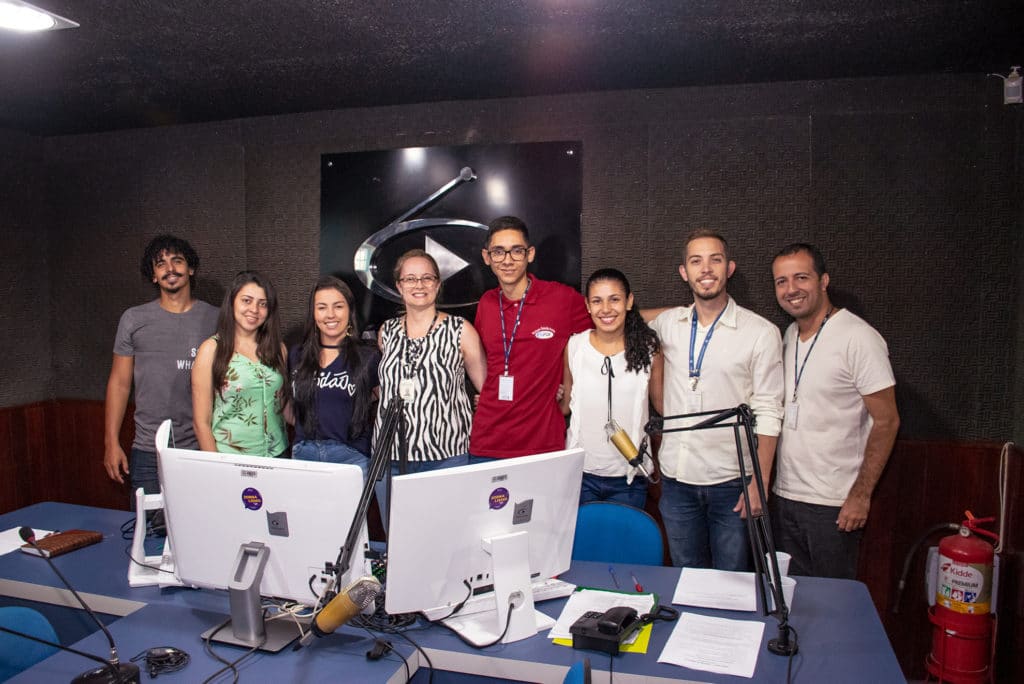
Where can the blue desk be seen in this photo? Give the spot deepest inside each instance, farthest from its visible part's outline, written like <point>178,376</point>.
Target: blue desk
<point>173,616</point>
<point>841,637</point>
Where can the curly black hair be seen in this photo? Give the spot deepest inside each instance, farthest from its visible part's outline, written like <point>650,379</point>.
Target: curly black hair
<point>641,342</point>
<point>171,245</point>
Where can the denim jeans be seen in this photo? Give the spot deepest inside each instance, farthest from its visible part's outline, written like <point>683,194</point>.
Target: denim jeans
<point>809,533</point>
<point>142,466</point>
<point>475,460</point>
<point>330,451</point>
<point>599,488</point>
<point>381,488</point>
<point>702,529</point>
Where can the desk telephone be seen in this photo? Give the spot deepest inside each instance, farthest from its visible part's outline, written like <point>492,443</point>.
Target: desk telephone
<point>605,631</point>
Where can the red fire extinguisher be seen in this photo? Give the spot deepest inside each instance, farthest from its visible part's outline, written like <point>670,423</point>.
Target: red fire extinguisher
<point>962,614</point>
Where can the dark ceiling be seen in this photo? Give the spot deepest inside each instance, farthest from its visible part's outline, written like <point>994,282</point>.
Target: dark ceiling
<point>136,63</point>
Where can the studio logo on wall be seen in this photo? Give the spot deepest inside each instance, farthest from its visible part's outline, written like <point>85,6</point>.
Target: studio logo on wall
<point>375,206</point>
<point>448,260</point>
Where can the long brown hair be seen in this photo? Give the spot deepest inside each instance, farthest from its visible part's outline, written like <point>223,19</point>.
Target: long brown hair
<point>268,335</point>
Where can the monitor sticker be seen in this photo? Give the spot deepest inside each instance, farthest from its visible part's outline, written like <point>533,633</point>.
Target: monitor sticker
<point>498,498</point>
<point>252,499</point>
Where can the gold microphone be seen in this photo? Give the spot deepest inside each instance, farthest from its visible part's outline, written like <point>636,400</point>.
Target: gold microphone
<point>349,602</point>
<point>618,437</point>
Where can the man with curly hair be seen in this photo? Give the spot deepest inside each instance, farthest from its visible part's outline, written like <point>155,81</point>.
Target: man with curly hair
<point>154,348</point>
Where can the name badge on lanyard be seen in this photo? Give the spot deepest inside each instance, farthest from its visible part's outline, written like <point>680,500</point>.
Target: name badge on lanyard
<point>693,400</point>
<point>792,411</point>
<point>506,381</point>
<point>505,387</point>
<point>407,389</point>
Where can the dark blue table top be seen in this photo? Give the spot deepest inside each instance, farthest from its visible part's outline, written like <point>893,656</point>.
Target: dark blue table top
<point>841,637</point>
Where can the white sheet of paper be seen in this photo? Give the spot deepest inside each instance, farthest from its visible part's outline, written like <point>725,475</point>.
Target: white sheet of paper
<point>588,599</point>
<point>10,541</point>
<point>722,589</point>
<point>714,644</point>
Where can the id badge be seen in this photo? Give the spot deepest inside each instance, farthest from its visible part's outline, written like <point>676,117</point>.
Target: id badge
<point>792,411</point>
<point>407,389</point>
<point>693,400</point>
<point>505,383</point>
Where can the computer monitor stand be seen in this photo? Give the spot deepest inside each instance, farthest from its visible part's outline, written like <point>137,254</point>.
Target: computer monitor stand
<point>247,628</point>
<point>510,573</point>
<point>143,570</point>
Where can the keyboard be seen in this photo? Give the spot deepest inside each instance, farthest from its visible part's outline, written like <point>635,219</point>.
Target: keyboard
<point>543,590</point>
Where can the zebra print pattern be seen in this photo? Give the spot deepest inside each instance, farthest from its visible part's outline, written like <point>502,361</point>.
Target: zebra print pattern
<point>439,417</point>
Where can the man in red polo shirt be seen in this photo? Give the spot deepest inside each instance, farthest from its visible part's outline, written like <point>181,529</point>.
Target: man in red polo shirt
<point>524,324</point>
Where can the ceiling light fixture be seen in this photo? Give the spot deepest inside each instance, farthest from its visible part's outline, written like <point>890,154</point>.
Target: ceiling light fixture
<point>21,16</point>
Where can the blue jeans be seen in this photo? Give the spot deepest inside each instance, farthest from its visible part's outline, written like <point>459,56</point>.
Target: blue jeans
<point>142,466</point>
<point>330,451</point>
<point>809,533</point>
<point>702,529</point>
<point>600,488</point>
<point>476,460</point>
<point>381,488</point>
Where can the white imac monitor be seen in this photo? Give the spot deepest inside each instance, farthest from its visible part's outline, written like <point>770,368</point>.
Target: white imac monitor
<point>484,528</point>
<point>258,527</point>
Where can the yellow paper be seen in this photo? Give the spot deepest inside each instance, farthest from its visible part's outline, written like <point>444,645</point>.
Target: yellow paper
<point>639,645</point>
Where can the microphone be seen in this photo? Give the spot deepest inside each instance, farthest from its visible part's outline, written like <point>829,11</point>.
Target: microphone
<point>349,602</point>
<point>114,671</point>
<point>622,442</point>
<point>467,174</point>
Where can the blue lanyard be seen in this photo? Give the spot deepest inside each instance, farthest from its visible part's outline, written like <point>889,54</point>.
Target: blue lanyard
<point>506,343</point>
<point>695,370</point>
<point>799,372</point>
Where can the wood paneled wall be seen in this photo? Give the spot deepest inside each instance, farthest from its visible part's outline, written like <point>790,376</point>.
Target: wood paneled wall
<point>53,451</point>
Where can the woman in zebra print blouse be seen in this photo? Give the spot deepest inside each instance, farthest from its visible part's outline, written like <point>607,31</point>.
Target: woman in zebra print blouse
<point>427,355</point>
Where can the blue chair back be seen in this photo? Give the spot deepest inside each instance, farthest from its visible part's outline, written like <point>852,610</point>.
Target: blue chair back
<point>579,673</point>
<point>616,533</point>
<point>18,653</point>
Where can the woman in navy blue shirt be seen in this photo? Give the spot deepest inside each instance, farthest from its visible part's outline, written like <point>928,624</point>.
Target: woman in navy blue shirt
<point>334,381</point>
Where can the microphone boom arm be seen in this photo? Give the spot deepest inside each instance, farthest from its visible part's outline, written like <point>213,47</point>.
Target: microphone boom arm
<point>759,530</point>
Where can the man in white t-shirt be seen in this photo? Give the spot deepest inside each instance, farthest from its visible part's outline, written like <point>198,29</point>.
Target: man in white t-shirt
<point>718,355</point>
<point>840,421</point>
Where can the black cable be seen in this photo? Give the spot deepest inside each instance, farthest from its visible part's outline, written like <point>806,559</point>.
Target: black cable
<point>461,604</point>
<point>163,660</point>
<point>228,665</point>
<point>128,552</point>
<point>611,667</point>
<point>128,534</point>
<point>430,665</point>
<point>789,664</point>
<point>405,661</point>
<point>508,621</point>
<point>953,527</point>
<point>383,621</point>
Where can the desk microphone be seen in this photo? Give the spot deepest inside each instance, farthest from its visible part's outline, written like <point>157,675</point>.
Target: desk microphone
<point>349,602</point>
<point>618,437</point>
<point>114,672</point>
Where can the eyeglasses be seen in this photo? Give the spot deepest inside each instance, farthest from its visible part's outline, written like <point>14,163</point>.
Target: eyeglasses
<point>425,280</point>
<point>518,253</point>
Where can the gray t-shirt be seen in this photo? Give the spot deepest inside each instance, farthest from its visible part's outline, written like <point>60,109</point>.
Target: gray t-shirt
<point>164,345</point>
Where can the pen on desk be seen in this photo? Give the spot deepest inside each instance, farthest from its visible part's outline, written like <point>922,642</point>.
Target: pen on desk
<point>636,583</point>
<point>611,571</point>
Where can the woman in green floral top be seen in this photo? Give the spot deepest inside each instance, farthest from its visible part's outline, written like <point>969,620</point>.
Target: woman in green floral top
<point>238,374</point>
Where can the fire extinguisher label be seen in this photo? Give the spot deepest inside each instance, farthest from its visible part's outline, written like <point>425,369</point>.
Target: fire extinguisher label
<point>964,587</point>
